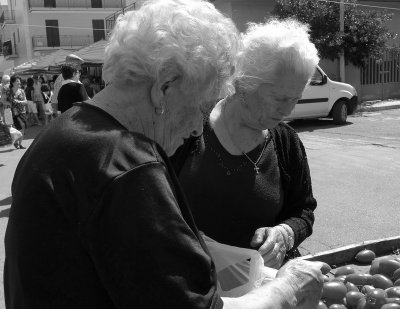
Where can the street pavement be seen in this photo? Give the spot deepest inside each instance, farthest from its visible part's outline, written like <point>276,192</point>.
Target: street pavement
<point>355,175</point>
<point>357,188</point>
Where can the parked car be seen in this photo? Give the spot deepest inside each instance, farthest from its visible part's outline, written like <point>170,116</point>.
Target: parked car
<point>324,97</point>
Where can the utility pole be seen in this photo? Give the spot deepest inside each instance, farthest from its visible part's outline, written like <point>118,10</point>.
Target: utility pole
<point>341,58</point>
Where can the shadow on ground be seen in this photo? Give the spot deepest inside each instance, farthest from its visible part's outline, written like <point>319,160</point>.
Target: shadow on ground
<point>5,213</point>
<point>310,125</point>
<point>6,201</point>
<point>32,132</point>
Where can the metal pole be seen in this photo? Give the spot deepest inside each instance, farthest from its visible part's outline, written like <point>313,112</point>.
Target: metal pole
<point>341,58</point>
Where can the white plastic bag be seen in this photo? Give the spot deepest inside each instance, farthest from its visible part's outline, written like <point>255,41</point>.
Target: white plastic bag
<point>239,270</point>
<point>15,134</point>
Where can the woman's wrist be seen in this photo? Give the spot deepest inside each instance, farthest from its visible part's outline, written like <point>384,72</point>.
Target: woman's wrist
<point>287,234</point>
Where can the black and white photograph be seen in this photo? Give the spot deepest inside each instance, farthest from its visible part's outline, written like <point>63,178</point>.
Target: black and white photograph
<point>200,154</point>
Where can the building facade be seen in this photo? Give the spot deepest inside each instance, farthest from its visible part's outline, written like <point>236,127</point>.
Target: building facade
<point>33,28</point>
<point>377,80</point>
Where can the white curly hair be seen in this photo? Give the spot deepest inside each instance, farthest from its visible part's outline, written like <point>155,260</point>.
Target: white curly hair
<point>271,47</point>
<point>191,35</point>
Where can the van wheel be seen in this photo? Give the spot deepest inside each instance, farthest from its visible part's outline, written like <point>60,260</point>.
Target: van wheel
<point>339,112</point>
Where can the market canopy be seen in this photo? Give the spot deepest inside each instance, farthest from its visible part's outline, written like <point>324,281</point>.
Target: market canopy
<point>42,63</point>
<point>94,53</point>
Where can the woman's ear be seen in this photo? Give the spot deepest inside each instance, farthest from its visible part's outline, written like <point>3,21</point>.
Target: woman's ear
<point>162,88</point>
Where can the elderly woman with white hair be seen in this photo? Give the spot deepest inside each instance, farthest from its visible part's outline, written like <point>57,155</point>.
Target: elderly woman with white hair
<point>247,179</point>
<point>98,219</point>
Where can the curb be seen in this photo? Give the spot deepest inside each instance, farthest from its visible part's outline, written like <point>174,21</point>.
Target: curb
<point>373,108</point>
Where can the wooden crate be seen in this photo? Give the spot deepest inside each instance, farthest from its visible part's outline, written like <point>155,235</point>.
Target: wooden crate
<point>345,255</point>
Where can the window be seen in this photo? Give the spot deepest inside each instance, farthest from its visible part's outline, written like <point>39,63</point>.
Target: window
<point>317,78</point>
<point>49,3</point>
<point>97,4</point>
<point>98,30</point>
<point>53,36</point>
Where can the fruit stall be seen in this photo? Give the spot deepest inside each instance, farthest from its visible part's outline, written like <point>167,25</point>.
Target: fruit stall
<point>363,275</point>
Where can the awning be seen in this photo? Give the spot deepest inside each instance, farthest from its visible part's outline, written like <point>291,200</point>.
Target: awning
<point>42,63</point>
<point>92,54</point>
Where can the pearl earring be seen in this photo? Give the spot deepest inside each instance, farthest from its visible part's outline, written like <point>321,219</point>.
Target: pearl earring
<point>159,110</point>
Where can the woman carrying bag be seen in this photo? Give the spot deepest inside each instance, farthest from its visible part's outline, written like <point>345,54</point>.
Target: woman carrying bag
<point>18,105</point>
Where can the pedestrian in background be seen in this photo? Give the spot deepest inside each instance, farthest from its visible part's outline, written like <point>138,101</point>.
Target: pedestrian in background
<point>70,59</point>
<point>32,109</point>
<point>72,89</point>
<point>37,96</point>
<point>48,111</point>
<point>5,105</point>
<point>18,106</point>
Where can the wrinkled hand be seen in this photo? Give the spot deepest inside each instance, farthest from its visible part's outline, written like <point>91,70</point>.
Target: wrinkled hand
<point>304,280</point>
<point>272,245</point>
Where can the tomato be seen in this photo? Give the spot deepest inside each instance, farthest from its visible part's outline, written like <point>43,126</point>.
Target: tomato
<point>352,299</point>
<point>334,291</point>
<point>396,275</point>
<point>361,303</point>
<point>391,306</point>
<point>392,300</point>
<point>388,267</point>
<point>359,279</point>
<point>351,287</point>
<point>393,292</point>
<point>321,305</point>
<point>367,288</point>
<point>397,282</point>
<point>341,278</point>
<point>374,267</point>
<point>365,256</point>
<point>375,264</point>
<point>344,270</point>
<point>375,299</point>
<point>381,282</point>
<point>337,306</point>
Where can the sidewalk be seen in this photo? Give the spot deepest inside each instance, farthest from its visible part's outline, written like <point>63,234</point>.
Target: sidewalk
<point>373,106</point>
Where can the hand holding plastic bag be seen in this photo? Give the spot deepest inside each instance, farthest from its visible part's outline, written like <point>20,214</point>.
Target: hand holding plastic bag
<point>239,270</point>
<point>303,280</point>
<point>273,244</point>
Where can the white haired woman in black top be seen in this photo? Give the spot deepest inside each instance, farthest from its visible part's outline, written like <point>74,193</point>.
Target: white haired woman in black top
<point>247,179</point>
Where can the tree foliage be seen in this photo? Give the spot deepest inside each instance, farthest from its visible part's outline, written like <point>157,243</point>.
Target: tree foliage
<point>365,31</point>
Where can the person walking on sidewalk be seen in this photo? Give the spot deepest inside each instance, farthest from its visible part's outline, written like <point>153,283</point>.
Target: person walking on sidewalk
<point>32,109</point>
<point>18,106</point>
<point>5,105</point>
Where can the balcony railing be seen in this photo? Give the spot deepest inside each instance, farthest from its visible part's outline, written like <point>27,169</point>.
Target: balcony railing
<point>7,17</point>
<point>63,41</point>
<point>75,4</point>
<point>111,19</point>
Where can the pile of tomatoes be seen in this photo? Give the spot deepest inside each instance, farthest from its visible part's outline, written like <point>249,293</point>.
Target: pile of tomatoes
<point>378,289</point>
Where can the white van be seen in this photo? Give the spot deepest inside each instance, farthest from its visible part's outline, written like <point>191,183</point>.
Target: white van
<point>323,97</point>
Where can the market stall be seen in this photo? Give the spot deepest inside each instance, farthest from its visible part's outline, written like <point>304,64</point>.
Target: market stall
<point>44,64</point>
